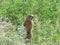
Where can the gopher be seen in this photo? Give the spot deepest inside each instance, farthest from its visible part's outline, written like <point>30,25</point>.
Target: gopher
<point>28,25</point>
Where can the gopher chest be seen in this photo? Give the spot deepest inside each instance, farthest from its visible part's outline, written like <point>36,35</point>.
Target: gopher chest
<point>28,24</point>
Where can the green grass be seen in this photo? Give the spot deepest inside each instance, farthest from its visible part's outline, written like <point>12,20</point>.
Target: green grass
<point>46,22</point>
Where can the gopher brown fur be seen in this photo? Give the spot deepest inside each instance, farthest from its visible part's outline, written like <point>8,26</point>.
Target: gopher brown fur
<point>28,25</point>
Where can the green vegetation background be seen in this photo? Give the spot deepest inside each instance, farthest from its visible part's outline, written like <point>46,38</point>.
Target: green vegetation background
<point>46,22</point>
